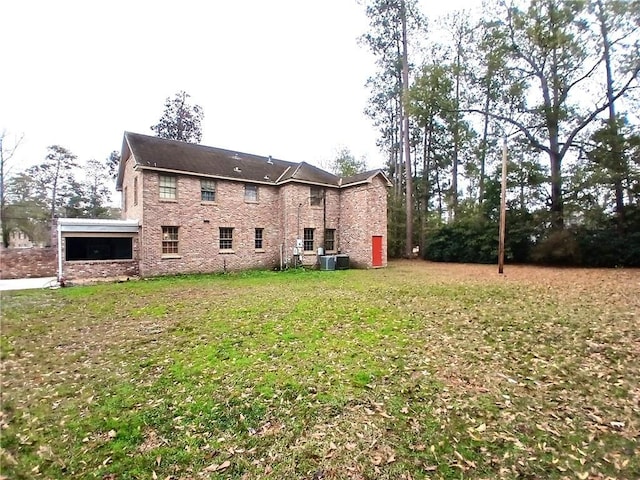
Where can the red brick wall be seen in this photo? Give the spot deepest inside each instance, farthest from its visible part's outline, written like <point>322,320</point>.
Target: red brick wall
<point>198,228</point>
<point>356,213</point>
<point>133,210</point>
<point>363,215</point>
<point>95,269</point>
<point>28,262</point>
<point>298,214</point>
<point>100,269</point>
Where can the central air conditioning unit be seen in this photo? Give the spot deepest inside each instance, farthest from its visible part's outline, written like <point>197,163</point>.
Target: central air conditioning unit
<point>327,262</point>
<point>342,262</point>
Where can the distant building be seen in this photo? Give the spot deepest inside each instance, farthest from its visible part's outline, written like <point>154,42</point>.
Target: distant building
<point>191,208</point>
<point>19,239</point>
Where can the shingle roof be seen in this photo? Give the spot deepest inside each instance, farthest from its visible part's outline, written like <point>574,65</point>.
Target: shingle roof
<point>154,153</point>
<point>308,173</point>
<point>171,155</point>
<point>359,178</point>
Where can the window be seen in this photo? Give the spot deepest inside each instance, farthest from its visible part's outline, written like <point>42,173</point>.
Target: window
<point>124,199</point>
<point>250,193</point>
<point>329,239</point>
<point>208,190</point>
<point>259,238</point>
<point>168,190</point>
<point>98,248</point>
<point>135,191</point>
<point>169,240</point>
<point>308,239</point>
<point>226,238</point>
<point>316,194</point>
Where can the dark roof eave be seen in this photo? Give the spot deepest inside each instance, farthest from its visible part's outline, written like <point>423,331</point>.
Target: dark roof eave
<point>307,182</point>
<point>206,175</point>
<point>126,148</point>
<point>368,179</point>
<point>196,163</point>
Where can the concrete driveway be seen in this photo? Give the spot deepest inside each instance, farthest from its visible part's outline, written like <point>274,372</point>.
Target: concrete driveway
<point>27,283</point>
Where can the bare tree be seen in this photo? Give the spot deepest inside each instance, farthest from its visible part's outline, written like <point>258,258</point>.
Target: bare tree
<point>6,153</point>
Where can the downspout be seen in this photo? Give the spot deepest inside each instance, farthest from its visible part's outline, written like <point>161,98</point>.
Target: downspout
<point>301,252</point>
<point>60,278</point>
<point>324,220</point>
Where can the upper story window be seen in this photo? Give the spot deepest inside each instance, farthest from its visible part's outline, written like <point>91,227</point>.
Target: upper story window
<point>250,193</point>
<point>207,190</point>
<point>124,199</point>
<point>168,188</point>
<point>316,194</point>
<point>308,239</point>
<point>135,190</point>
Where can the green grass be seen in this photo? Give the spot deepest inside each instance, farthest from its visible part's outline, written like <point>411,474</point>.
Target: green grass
<point>415,371</point>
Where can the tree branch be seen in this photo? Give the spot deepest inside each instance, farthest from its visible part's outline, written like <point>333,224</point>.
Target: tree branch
<point>565,91</point>
<point>520,126</point>
<point>597,111</point>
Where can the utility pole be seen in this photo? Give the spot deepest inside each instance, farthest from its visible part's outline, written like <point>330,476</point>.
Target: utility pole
<point>503,207</point>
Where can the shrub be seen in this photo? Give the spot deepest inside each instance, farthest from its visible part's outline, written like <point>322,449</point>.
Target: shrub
<point>608,248</point>
<point>474,241</point>
<point>559,247</point>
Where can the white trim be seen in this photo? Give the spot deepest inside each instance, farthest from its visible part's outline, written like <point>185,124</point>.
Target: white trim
<point>59,253</point>
<point>96,225</point>
<point>282,174</point>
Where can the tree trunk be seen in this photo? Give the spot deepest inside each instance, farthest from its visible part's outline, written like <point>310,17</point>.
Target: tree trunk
<point>483,150</point>
<point>3,216</point>
<point>397,149</point>
<point>54,191</point>
<point>552,111</point>
<point>405,118</point>
<point>439,192</point>
<point>425,182</point>
<point>617,166</point>
<point>456,141</point>
<point>557,204</point>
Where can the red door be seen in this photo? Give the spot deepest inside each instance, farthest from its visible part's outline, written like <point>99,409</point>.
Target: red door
<point>376,251</point>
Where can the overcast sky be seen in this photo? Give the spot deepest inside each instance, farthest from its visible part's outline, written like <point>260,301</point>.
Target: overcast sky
<point>281,77</point>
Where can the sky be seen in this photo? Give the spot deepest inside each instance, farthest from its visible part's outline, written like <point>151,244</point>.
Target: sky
<point>281,77</point>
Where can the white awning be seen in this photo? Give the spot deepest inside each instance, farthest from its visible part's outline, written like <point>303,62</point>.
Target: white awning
<point>97,225</point>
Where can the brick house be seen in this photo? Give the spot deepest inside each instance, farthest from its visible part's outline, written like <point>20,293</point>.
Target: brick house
<point>205,209</point>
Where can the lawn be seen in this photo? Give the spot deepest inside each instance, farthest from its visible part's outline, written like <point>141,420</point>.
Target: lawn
<point>418,370</point>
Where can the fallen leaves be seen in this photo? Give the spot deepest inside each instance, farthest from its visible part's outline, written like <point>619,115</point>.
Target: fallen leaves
<point>267,429</point>
<point>217,467</point>
<point>534,375</point>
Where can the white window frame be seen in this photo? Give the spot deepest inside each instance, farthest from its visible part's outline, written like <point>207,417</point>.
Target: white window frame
<point>168,187</point>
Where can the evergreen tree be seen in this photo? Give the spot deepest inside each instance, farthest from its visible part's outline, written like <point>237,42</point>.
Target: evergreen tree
<point>180,120</point>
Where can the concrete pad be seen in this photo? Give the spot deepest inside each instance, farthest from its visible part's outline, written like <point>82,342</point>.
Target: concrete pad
<point>27,283</point>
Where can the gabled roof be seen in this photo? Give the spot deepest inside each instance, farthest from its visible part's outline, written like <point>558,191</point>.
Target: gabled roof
<point>364,177</point>
<point>154,153</point>
<point>305,173</point>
